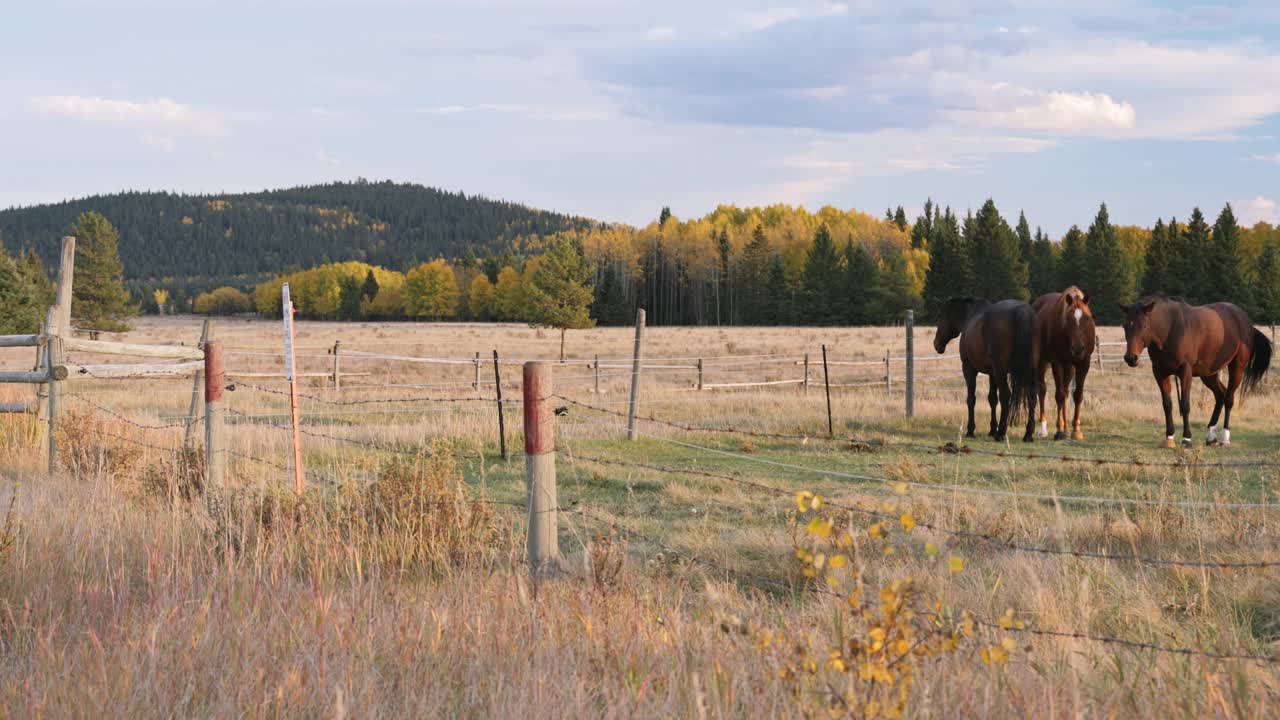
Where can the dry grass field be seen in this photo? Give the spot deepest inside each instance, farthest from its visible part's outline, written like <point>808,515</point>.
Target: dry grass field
<point>397,588</point>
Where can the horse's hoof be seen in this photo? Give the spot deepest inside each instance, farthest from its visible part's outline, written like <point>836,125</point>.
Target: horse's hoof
<point>1077,435</point>
<point>1059,435</point>
<point>1186,442</point>
<point>1168,444</point>
<point>1028,438</point>
<point>969,434</point>
<point>998,437</point>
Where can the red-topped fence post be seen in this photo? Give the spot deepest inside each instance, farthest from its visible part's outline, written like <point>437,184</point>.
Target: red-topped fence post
<point>540,468</point>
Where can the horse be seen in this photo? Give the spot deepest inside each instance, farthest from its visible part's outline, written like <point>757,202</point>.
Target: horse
<point>1001,341</point>
<point>1188,342</point>
<point>1067,336</point>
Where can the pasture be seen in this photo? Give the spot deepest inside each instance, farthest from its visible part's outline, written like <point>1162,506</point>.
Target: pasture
<point>1127,565</point>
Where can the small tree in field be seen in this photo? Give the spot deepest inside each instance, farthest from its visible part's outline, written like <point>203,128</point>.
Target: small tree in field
<point>99,301</point>
<point>560,293</point>
<point>161,297</point>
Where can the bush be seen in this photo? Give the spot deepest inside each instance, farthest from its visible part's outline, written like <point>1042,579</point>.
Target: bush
<point>223,301</point>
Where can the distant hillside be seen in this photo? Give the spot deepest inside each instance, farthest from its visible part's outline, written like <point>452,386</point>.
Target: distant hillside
<point>196,241</point>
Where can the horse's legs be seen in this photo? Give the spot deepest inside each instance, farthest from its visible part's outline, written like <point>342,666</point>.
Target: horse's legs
<point>1234,376</point>
<point>1005,396</point>
<point>1184,406</point>
<point>971,386</point>
<point>993,397</point>
<point>1214,383</point>
<point>1166,397</point>
<point>1061,380</point>
<point>1040,391</point>
<point>1030,400</point>
<point>1077,396</point>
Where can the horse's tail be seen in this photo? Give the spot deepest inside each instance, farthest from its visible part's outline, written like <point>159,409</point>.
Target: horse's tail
<point>1259,361</point>
<point>1022,362</point>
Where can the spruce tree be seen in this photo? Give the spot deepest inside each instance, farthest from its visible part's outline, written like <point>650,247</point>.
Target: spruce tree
<point>1072,264</point>
<point>610,305</point>
<point>780,308</point>
<point>821,280</point>
<point>900,218</point>
<point>1106,282</point>
<point>99,301</point>
<point>859,279</point>
<point>1155,276</point>
<point>949,273</point>
<point>753,277</point>
<point>1266,288</point>
<point>349,296</point>
<point>560,294</point>
<point>21,298</point>
<point>1225,277</point>
<point>1043,270</point>
<point>995,256</point>
<point>1024,239</point>
<point>1197,244</point>
<point>369,290</point>
<point>724,280</point>
<point>923,227</point>
<point>890,292</point>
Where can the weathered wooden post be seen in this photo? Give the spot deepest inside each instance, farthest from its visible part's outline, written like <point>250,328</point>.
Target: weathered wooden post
<point>1097,347</point>
<point>56,373</point>
<point>540,468</point>
<point>215,456</point>
<point>291,374</point>
<point>826,381</point>
<point>66,279</point>
<point>596,365</point>
<point>911,364</point>
<point>635,377</point>
<point>888,375</point>
<point>502,421</point>
<point>476,384</point>
<point>337,367</point>
<point>806,373</point>
<point>700,383</point>
<point>197,383</point>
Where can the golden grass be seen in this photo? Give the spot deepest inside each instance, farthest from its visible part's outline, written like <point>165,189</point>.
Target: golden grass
<point>114,604</point>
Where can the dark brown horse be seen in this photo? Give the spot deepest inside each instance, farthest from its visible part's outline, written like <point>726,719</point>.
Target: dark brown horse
<point>1187,342</point>
<point>999,340</point>
<point>1067,336</point>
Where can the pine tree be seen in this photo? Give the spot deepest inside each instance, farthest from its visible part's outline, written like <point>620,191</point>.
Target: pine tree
<point>1225,277</point>
<point>560,293</point>
<point>1042,275</point>
<point>99,301</point>
<point>349,296</point>
<point>995,256</point>
<point>780,309</point>
<point>949,271</point>
<point>1023,231</point>
<point>1155,276</point>
<point>1197,244</point>
<point>724,280</point>
<point>1072,263</point>
<point>859,280</point>
<point>610,305</point>
<point>890,291</point>
<point>1266,288</point>
<point>821,281</point>
<point>20,297</point>
<point>900,218</point>
<point>753,278</point>
<point>923,228</point>
<point>1107,283</point>
<point>369,290</point>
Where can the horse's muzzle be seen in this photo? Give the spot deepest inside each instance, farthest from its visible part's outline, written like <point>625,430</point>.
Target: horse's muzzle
<point>939,347</point>
<point>1077,352</point>
<point>1131,360</point>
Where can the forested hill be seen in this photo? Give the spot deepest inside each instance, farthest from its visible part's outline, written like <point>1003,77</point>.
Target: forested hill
<point>203,240</point>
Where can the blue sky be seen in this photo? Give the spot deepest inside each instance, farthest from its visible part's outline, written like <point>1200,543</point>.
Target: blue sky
<point>613,109</point>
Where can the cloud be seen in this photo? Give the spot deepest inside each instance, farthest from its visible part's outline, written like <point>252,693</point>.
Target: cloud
<point>1259,209</point>
<point>757,20</point>
<point>1275,158</point>
<point>662,32</point>
<point>323,156</point>
<point>532,112</point>
<point>159,142</point>
<point>1072,113</point>
<point>162,112</point>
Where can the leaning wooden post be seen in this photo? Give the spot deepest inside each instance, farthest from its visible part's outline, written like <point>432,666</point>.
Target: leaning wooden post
<point>337,367</point>
<point>826,381</point>
<point>635,377</point>
<point>215,379</point>
<point>700,382</point>
<point>806,373</point>
<point>56,373</point>
<point>502,421</point>
<point>911,364</point>
<point>197,383</point>
<point>540,468</point>
<point>888,375</point>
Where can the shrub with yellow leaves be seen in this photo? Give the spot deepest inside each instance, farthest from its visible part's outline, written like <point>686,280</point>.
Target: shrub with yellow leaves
<point>882,636</point>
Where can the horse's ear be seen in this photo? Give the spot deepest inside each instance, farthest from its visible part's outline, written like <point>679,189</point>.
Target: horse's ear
<point>1149,306</point>
<point>1085,299</point>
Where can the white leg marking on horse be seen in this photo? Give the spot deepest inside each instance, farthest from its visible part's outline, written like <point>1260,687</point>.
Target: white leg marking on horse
<point>1226,438</point>
<point>1044,428</point>
<point>1213,434</point>
<point>1170,438</point>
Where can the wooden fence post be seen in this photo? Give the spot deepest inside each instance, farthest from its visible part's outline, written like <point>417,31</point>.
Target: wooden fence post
<point>476,384</point>
<point>54,358</point>
<point>502,422</point>
<point>291,368</point>
<point>888,375</point>
<point>911,364</point>
<point>540,468</point>
<point>635,377</point>
<point>337,367</point>
<point>826,381</point>
<point>215,456</point>
<point>66,279</point>
<point>806,373</point>
<point>1097,347</point>
<point>197,385</point>
<point>700,383</point>
<point>597,367</point>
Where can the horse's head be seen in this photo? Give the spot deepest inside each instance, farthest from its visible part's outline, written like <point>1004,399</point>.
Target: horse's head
<point>1077,321</point>
<point>955,315</point>
<point>1137,329</point>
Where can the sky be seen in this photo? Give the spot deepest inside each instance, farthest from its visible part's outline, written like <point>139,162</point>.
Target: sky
<point>615,109</point>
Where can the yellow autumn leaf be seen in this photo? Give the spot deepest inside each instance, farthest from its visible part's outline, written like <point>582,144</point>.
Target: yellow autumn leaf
<point>930,549</point>
<point>819,527</point>
<point>899,487</point>
<point>908,522</point>
<point>838,561</point>
<point>816,503</point>
<point>956,563</point>
<point>802,498</point>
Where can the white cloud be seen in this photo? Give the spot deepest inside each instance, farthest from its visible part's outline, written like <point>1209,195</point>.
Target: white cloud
<point>1259,209</point>
<point>533,112</point>
<point>662,32</point>
<point>1074,113</point>
<point>1266,158</point>
<point>162,112</point>
<point>757,20</point>
<point>159,142</point>
<point>323,156</point>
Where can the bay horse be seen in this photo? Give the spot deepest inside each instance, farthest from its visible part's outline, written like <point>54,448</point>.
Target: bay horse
<point>1067,339</point>
<point>999,340</point>
<point>1186,342</point>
